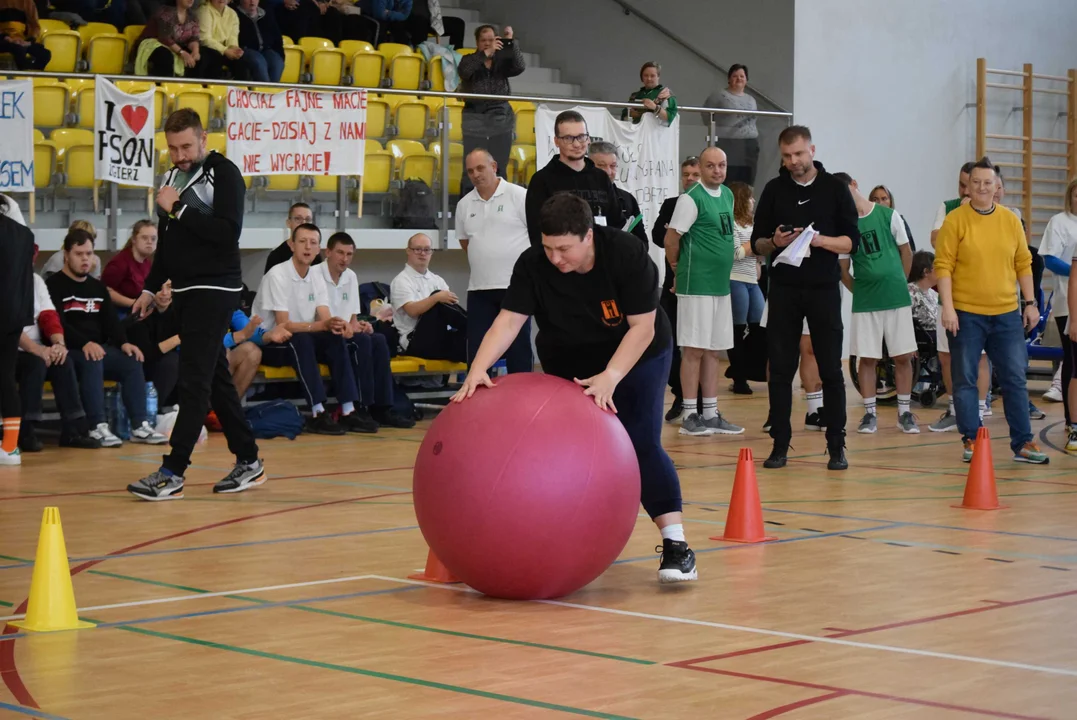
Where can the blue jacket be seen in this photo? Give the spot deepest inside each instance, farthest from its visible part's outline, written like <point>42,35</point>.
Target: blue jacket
<point>397,9</point>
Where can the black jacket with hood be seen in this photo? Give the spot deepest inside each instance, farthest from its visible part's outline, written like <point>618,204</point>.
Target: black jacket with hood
<point>16,274</point>
<point>591,184</point>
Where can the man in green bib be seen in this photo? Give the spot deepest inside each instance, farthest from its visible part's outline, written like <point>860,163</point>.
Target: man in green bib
<point>699,246</point>
<point>882,307</point>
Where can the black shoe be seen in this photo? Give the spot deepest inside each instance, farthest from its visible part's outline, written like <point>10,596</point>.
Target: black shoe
<point>389,417</point>
<point>80,441</point>
<point>678,562</point>
<point>242,477</point>
<point>814,421</point>
<point>28,441</point>
<point>740,387</point>
<point>766,425</point>
<point>359,421</point>
<point>837,458</point>
<point>675,412</point>
<point>778,456</point>
<point>323,425</point>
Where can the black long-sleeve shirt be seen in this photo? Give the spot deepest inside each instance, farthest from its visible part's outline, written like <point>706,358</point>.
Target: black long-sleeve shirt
<point>475,77</point>
<point>630,209</point>
<point>658,235</point>
<point>591,184</point>
<point>86,311</point>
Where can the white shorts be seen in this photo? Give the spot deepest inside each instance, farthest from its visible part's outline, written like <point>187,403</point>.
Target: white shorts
<point>871,329</point>
<point>766,311</point>
<point>942,341</point>
<point>705,321</point>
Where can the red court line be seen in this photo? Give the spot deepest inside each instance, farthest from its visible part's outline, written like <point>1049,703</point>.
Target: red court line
<point>10,672</point>
<point>861,693</point>
<point>775,712</point>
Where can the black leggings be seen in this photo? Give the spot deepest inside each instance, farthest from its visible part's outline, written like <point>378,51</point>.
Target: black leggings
<point>10,407</point>
<point>1069,365</point>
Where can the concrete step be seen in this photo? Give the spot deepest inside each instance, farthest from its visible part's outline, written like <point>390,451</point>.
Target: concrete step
<point>465,14</point>
<point>522,85</point>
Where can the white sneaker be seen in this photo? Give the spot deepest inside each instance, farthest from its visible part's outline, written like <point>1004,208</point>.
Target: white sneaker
<point>11,458</point>
<point>1053,395</point>
<point>145,433</point>
<point>104,435</point>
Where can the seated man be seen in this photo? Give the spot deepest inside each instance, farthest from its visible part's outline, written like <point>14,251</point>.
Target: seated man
<point>369,350</point>
<point>293,297</point>
<point>43,355</point>
<point>426,314</point>
<point>101,351</point>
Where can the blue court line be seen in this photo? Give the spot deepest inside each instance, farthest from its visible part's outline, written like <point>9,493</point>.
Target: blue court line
<point>813,536</point>
<point>231,610</point>
<point>225,546</point>
<point>29,711</point>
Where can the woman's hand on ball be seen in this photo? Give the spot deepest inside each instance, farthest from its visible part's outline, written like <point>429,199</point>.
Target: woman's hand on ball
<point>471,383</point>
<point>601,388</point>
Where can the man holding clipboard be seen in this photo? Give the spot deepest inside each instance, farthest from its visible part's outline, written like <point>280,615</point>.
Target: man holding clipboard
<point>805,195</point>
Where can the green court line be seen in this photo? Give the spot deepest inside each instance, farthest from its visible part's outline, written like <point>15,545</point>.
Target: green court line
<point>6,603</point>
<point>376,674</point>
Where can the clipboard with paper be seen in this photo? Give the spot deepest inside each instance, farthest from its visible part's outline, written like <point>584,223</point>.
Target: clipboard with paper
<point>799,249</point>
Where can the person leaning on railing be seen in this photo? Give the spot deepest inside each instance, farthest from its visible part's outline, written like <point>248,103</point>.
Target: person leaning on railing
<point>653,96</point>
<point>737,134</point>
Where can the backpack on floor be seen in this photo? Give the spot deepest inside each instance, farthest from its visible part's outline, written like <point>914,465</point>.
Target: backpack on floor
<point>276,418</point>
<point>416,207</point>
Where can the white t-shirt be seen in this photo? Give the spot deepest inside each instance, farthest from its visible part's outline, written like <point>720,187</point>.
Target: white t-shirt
<point>685,211</point>
<point>344,295</point>
<point>282,289</point>
<point>496,231</point>
<point>1060,241</point>
<point>42,302</point>
<point>407,287</point>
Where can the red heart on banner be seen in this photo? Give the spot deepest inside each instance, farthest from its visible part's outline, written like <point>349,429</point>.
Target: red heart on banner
<point>135,116</point>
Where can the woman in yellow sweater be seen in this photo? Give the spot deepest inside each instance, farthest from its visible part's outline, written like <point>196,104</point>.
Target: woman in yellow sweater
<point>980,256</point>
<point>218,35</point>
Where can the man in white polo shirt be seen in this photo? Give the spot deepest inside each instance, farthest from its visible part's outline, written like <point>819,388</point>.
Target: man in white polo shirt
<point>296,298</point>
<point>368,350</point>
<point>425,312</point>
<point>491,225</point>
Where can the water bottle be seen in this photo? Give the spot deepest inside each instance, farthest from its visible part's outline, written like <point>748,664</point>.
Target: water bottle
<point>151,404</point>
<point>116,413</point>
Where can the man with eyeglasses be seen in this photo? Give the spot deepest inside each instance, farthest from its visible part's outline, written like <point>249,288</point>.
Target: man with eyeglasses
<point>573,172</point>
<point>426,313</point>
<point>298,214</point>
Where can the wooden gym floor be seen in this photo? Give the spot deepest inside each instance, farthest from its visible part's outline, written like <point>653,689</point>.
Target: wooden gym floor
<point>879,600</point>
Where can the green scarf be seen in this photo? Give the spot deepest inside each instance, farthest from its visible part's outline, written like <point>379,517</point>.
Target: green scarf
<point>651,94</point>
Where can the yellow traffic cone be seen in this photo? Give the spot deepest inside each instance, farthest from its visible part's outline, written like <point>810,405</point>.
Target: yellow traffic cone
<point>52,598</point>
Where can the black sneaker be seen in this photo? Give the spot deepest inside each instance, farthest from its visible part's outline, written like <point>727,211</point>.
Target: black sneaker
<point>766,425</point>
<point>675,412</point>
<point>157,486</point>
<point>778,456</point>
<point>740,387</point>
<point>82,442</point>
<point>323,425</point>
<point>388,417</point>
<point>28,441</point>
<point>837,458</point>
<point>243,477</point>
<point>814,421</point>
<point>359,421</point>
<point>678,562</point>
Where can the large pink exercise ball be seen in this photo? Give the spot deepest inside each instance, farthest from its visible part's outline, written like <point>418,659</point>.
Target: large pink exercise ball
<point>527,490</point>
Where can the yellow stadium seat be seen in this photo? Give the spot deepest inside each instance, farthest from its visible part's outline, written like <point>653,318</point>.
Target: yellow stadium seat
<point>378,169</point>
<point>293,64</point>
<point>133,33</point>
<point>69,137</point>
<point>456,164</point>
<point>287,40</point>
<point>466,51</point>
<point>220,99</point>
<point>518,159</point>
<point>51,100</point>
<point>405,364</point>
<point>89,30</point>
<point>327,66</point>
<point>196,98</point>
<point>325,183</point>
<point>285,183</point>
<point>377,117</point>
<point>160,144</point>
<point>390,50</point>
<point>456,122</point>
<point>411,118</point>
<point>77,83</point>
<point>218,142</point>
<point>413,161</point>
<point>85,107</point>
<point>79,166</point>
<point>309,44</point>
<point>372,146</point>
<point>529,169</point>
<point>367,69</point>
<point>525,126</point>
<point>106,53</point>
<point>406,71</point>
<point>44,163</point>
<point>49,25</point>
<point>350,47</point>
<point>277,373</point>
<point>440,366</point>
<point>435,73</point>
<point>38,135</point>
<point>65,46</point>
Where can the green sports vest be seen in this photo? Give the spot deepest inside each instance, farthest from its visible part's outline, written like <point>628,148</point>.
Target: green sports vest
<point>706,253</point>
<point>879,278</point>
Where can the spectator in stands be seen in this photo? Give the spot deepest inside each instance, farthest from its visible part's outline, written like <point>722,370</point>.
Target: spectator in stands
<point>18,35</point>
<point>572,171</point>
<point>652,96</point>
<point>689,177</point>
<point>394,17</point>
<point>101,351</point>
<point>261,41</point>
<point>16,311</point>
<point>302,18</point>
<point>745,295</point>
<point>56,263</point>
<point>298,214</point>
<point>491,225</point>
<point>425,312</point>
<point>169,44</point>
<point>980,310</point>
<point>737,134</point>
<point>125,274</point>
<point>881,195</point>
<point>369,351</point>
<point>490,123</point>
<point>1058,246</point>
<point>218,40</point>
<point>604,155</point>
<point>112,12</point>
<point>292,296</point>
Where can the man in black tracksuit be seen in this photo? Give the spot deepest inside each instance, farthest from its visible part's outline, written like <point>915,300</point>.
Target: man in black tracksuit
<point>604,155</point>
<point>571,171</point>
<point>200,211</point>
<point>804,194</point>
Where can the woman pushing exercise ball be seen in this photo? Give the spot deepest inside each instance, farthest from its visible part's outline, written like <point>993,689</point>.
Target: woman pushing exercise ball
<point>594,293</point>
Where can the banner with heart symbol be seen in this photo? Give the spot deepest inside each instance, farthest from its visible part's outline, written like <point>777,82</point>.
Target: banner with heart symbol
<point>123,135</point>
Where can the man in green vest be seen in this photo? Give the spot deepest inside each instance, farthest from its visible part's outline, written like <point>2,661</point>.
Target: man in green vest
<point>882,307</point>
<point>699,246</point>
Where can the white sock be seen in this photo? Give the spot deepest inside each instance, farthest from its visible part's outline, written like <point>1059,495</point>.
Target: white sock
<point>904,404</point>
<point>1056,382</point>
<point>317,409</point>
<point>983,408</point>
<point>869,405</point>
<point>689,408</point>
<point>951,409</point>
<point>710,408</point>
<point>815,401</point>
<point>347,408</point>
<point>673,532</point>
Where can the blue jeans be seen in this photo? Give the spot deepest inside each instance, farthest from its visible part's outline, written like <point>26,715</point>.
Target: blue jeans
<point>747,301</point>
<point>373,371</point>
<point>264,65</point>
<point>1003,337</point>
<point>117,366</point>
<point>303,352</point>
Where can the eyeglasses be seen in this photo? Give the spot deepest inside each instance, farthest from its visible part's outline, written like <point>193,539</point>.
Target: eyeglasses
<point>421,251</point>
<point>574,139</point>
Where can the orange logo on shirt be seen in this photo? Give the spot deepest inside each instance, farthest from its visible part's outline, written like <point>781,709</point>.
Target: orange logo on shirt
<point>611,314</point>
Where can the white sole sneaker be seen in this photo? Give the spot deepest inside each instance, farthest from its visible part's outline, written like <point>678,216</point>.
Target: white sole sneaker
<point>676,576</point>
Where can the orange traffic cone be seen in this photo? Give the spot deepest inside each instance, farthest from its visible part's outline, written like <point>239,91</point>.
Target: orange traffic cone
<point>744,522</point>
<point>435,571</point>
<point>980,492</point>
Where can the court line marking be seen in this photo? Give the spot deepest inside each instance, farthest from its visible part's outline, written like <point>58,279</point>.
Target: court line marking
<point>772,633</point>
<point>30,712</point>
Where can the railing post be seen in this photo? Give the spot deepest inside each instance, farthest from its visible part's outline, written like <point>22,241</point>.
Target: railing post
<point>1027,132</point>
<point>981,107</point>
<point>1071,125</point>
<point>342,202</point>
<point>113,215</point>
<point>711,139</point>
<point>446,163</point>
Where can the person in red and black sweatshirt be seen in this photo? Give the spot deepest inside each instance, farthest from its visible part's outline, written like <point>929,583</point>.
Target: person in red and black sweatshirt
<point>200,209</point>
<point>805,194</point>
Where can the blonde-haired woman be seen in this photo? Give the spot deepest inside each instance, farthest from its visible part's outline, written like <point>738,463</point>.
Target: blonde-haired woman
<point>1058,247</point>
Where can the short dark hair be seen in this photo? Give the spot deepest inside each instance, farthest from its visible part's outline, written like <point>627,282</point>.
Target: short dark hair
<point>567,116</point>
<point>692,161</point>
<point>566,214</point>
<point>922,262</point>
<point>844,177</point>
<point>983,163</point>
<point>734,68</point>
<point>74,238</point>
<point>184,119</point>
<point>339,238</point>
<point>967,167</point>
<point>793,133</point>
<point>650,64</point>
<point>307,226</point>
<point>483,28</point>
<point>299,205</point>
